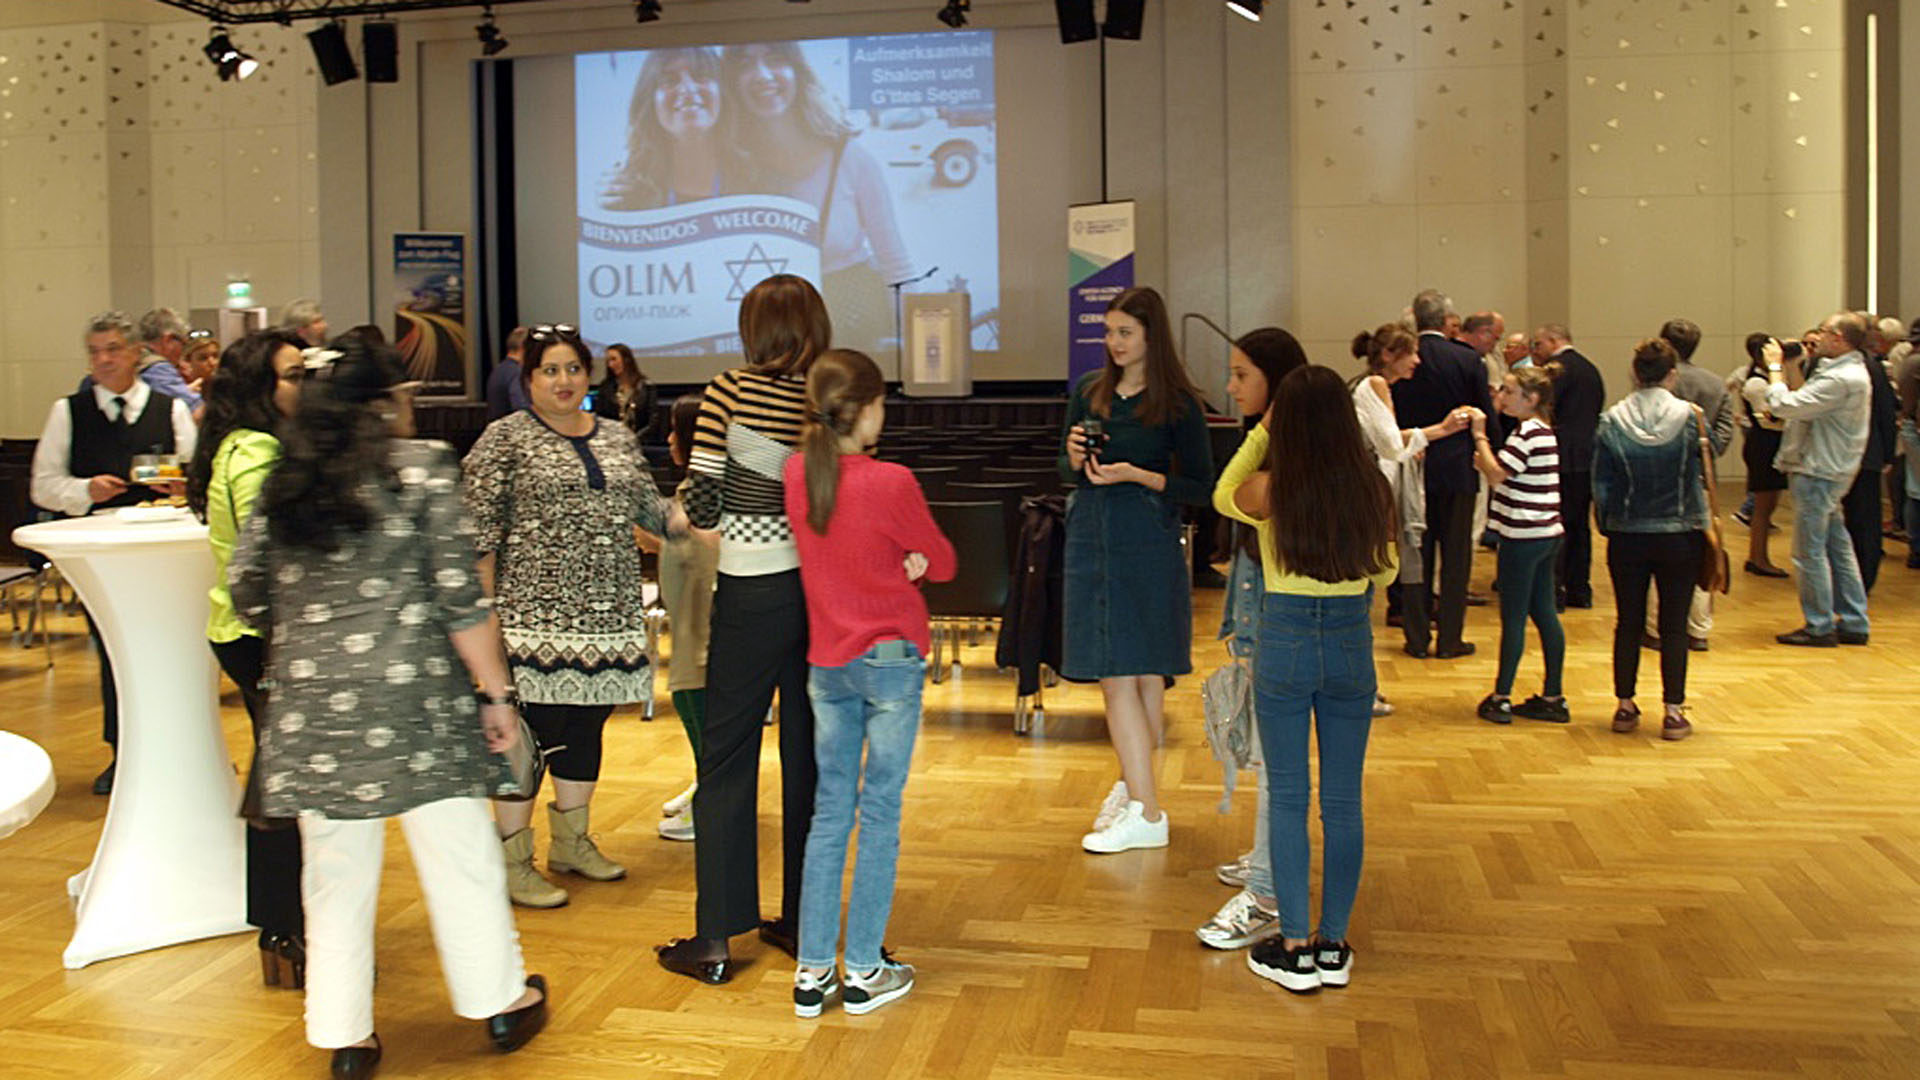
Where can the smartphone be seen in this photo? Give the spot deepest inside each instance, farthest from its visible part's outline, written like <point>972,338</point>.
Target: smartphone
<point>586,401</point>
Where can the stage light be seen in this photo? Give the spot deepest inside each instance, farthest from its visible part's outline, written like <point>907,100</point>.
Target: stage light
<point>491,40</point>
<point>646,11</point>
<point>1246,9</point>
<point>1076,20</point>
<point>231,62</point>
<point>331,53</point>
<point>955,13</point>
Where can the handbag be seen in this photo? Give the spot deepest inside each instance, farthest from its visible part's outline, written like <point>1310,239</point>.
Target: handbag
<point>1716,572</point>
<point>1227,696</point>
<point>523,765</point>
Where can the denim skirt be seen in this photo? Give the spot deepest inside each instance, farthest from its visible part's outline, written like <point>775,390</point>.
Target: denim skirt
<point>1128,601</point>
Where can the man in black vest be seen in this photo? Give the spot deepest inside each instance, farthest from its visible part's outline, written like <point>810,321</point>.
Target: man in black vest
<point>1578,396</point>
<point>1449,377</point>
<point>85,456</point>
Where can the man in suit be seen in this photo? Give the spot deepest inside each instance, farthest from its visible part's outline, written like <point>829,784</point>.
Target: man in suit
<point>1450,376</point>
<point>1482,331</point>
<point>1578,395</point>
<point>84,460</point>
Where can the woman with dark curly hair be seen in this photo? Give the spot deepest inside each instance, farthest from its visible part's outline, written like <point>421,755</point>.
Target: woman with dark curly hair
<point>677,151</point>
<point>248,398</point>
<point>360,560</point>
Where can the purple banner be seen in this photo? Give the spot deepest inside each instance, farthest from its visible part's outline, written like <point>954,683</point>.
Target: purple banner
<point>1087,310</point>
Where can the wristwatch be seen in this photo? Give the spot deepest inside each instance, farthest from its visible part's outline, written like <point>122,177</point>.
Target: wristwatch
<point>509,697</point>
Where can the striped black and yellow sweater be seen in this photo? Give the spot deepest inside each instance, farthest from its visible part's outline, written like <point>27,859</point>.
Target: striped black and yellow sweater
<point>749,424</point>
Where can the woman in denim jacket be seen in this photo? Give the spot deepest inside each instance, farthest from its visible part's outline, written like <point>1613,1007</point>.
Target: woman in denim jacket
<point>1649,493</point>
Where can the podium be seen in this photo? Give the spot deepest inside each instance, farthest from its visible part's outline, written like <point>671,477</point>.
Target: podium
<point>938,358</point>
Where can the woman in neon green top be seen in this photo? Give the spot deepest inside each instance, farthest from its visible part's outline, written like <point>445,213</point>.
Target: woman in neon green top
<point>254,387</point>
<point>1306,479</point>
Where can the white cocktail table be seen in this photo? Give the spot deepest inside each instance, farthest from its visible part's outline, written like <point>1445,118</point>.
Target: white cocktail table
<point>171,865</point>
<point>26,782</point>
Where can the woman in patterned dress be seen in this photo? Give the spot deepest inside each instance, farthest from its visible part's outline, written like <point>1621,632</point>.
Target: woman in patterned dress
<point>358,564</point>
<point>554,494</point>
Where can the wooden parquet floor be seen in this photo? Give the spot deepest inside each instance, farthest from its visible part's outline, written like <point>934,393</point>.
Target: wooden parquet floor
<point>1538,901</point>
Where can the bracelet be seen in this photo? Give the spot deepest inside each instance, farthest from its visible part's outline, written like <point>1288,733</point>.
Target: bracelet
<point>510,696</point>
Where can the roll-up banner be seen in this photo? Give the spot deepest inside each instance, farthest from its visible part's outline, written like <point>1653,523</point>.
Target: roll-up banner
<point>1099,268</point>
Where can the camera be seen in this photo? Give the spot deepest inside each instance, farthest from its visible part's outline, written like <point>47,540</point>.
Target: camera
<point>1792,350</point>
<point>1095,433</point>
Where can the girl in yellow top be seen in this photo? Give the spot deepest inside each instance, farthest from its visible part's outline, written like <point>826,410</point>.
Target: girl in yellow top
<point>1306,480</point>
<point>247,397</point>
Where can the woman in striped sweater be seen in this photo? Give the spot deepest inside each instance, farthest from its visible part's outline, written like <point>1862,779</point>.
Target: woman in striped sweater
<point>750,423</point>
<point>1525,514</point>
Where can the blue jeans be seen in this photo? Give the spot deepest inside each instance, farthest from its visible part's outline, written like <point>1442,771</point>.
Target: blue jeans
<point>1831,590</point>
<point>873,702</point>
<point>1315,669</point>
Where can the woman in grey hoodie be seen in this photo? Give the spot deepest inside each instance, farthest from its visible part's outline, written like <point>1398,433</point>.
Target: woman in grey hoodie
<point>1649,494</point>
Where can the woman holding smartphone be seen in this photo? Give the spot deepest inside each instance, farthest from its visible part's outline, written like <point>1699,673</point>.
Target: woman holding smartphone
<point>1136,444</point>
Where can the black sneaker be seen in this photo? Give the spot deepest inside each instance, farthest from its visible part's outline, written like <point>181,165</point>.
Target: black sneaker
<point>1291,968</point>
<point>1334,961</point>
<point>1539,708</point>
<point>1495,709</point>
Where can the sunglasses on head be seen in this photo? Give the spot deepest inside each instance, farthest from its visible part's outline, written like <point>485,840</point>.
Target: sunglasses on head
<point>566,331</point>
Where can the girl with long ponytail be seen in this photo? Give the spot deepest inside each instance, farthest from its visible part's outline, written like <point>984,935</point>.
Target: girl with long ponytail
<point>865,536</point>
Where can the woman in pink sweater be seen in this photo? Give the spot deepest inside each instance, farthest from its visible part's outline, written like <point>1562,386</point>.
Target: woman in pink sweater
<point>865,537</point>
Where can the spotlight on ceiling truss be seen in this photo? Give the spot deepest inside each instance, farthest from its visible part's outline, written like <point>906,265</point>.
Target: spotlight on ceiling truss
<point>492,41</point>
<point>231,62</point>
<point>955,13</point>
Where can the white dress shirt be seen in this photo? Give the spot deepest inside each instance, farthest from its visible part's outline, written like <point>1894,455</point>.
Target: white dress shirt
<point>57,489</point>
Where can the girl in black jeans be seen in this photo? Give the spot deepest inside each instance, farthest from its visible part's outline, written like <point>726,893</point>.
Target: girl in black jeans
<point>1649,491</point>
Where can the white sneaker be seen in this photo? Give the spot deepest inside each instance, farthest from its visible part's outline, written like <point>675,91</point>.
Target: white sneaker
<point>680,803</point>
<point>1381,706</point>
<point>890,981</point>
<point>1239,923</point>
<point>1129,829</point>
<point>679,826</point>
<point>1111,806</point>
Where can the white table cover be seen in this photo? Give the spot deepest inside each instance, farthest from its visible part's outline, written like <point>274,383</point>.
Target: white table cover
<point>26,782</point>
<point>171,864</point>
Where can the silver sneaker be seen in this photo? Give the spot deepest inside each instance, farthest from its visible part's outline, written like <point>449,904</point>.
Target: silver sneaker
<point>812,993</point>
<point>865,993</point>
<point>1235,873</point>
<point>1111,806</point>
<point>1239,923</point>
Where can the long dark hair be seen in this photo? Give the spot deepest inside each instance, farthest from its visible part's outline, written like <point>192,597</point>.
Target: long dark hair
<point>335,443</point>
<point>239,398</point>
<point>1276,353</point>
<point>784,325</point>
<point>839,385</point>
<point>1169,391</point>
<point>819,112</point>
<point>1330,507</point>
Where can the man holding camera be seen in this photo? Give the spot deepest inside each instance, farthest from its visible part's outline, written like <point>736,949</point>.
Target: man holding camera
<point>1825,401</point>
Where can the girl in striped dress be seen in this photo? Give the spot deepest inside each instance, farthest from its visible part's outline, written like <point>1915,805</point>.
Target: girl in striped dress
<point>1525,513</point>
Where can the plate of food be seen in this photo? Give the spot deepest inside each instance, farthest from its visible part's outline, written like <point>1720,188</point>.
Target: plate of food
<point>149,513</point>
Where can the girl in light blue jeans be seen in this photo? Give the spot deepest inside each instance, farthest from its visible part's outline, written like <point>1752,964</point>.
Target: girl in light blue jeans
<point>865,535</point>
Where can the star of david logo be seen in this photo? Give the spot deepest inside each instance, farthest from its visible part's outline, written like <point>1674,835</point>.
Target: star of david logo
<point>756,259</point>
